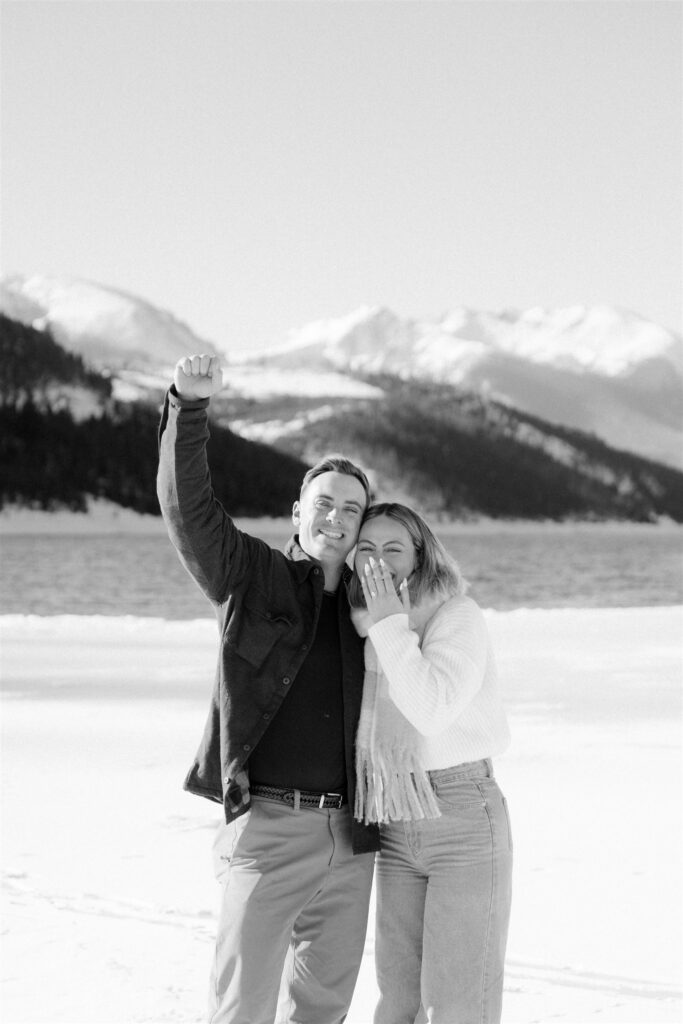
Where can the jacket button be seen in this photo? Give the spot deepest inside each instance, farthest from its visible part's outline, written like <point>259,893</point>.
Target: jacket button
<point>246,747</point>
<point>316,571</point>
<point>226,780</point>
<point>286,680</point>
<point>266,716</point>
<point>304,647</point>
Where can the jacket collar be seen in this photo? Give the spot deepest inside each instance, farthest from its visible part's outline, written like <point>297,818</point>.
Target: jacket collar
<point>294,551</point>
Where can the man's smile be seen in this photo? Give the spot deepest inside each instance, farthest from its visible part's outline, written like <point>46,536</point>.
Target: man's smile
<point>332,534</point>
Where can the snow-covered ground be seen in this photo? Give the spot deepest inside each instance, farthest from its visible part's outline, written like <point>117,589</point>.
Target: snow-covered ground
<point>109,898</point>
<point>102,517</point>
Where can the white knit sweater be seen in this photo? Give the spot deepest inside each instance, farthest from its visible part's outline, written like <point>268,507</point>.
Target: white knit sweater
<point>446,686</point>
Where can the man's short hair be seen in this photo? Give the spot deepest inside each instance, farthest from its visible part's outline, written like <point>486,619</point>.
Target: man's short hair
<point>334,463</point>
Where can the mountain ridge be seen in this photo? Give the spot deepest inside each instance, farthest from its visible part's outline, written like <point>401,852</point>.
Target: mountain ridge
<point>603,339</point>
<point>633,400</point>
<point>66,439</point>
<point>111,328</point>
<point>452,453</point>
<point>457,455</point>
<point>623,385</point>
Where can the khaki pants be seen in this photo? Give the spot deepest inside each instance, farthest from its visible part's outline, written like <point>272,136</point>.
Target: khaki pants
<point>293,917</point>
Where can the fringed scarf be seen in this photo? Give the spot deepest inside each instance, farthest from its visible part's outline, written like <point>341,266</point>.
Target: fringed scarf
<point>392,783</point>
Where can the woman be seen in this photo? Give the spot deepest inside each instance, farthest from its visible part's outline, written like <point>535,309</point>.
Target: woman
<point>430,722</point>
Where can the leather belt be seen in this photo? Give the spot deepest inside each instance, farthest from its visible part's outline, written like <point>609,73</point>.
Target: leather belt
<point>299,797</point>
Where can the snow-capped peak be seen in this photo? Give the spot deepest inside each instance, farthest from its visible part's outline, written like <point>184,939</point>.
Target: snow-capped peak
<point>601,340</point>
<point>107,327</point>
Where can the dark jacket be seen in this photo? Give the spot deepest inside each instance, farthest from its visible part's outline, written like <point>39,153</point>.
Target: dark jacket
<point>267,604</point>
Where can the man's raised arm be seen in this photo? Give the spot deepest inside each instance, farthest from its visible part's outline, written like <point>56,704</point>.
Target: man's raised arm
<point>209,544</point>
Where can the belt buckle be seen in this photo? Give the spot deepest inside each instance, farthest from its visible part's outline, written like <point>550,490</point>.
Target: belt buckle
<point>326,796</point>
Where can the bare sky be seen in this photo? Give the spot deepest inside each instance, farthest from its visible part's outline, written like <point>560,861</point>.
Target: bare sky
<point>253,166</point>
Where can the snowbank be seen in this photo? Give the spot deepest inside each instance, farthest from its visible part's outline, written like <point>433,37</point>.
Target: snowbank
<point>109,900</point>
<point>101,517</point>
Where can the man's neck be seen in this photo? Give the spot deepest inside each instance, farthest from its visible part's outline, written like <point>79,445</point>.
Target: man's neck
<point>332,577</point>
<point>332,571</point>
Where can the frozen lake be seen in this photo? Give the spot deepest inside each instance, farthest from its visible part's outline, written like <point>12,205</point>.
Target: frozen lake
<point>544,566</point>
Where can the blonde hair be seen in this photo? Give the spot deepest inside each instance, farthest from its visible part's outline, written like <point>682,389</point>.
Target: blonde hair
<point>435,572</point>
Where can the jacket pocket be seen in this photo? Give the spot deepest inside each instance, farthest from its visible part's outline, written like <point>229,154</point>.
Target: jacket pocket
<point>254,628</point>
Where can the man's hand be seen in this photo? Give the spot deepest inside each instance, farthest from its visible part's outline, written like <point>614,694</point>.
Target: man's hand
<point>198,377</point>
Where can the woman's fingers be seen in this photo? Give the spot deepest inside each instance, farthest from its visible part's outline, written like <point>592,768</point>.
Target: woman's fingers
<point>375,577</point>
<point>381,576</point>
<point>367,587</point>
<point>381,598</point>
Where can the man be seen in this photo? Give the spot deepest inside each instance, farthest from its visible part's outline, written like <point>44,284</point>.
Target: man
<point>277,750</point>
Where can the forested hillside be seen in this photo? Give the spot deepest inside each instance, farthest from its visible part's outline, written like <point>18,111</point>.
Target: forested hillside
<point>32,363</point>
<point>50,460</point>
<point>459,455</point>
<point>452,453</point>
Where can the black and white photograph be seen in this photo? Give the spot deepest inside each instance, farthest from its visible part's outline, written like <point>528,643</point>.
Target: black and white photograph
<point>341,511</point>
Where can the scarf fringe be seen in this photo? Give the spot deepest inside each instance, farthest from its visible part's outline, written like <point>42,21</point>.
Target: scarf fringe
<point>392,783</point>
<point>384,795</point>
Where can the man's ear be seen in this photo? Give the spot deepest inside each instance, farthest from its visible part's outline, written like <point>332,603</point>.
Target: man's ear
<point>296,513</point>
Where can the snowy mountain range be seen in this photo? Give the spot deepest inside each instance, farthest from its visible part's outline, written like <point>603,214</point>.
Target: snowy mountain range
<point>109,328</point>
<point>600,370</point>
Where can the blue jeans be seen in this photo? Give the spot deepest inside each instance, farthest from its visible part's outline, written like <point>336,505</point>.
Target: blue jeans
<point>443,905</point>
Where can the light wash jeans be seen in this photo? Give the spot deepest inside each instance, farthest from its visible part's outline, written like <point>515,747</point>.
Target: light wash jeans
<point>293,916</point>
<point>443,905</point>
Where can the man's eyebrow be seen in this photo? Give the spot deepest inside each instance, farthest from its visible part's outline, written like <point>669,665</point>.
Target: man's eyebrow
<point>348,501</point>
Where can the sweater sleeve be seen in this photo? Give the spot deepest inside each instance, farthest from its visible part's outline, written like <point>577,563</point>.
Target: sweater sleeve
<point>432,685</point>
